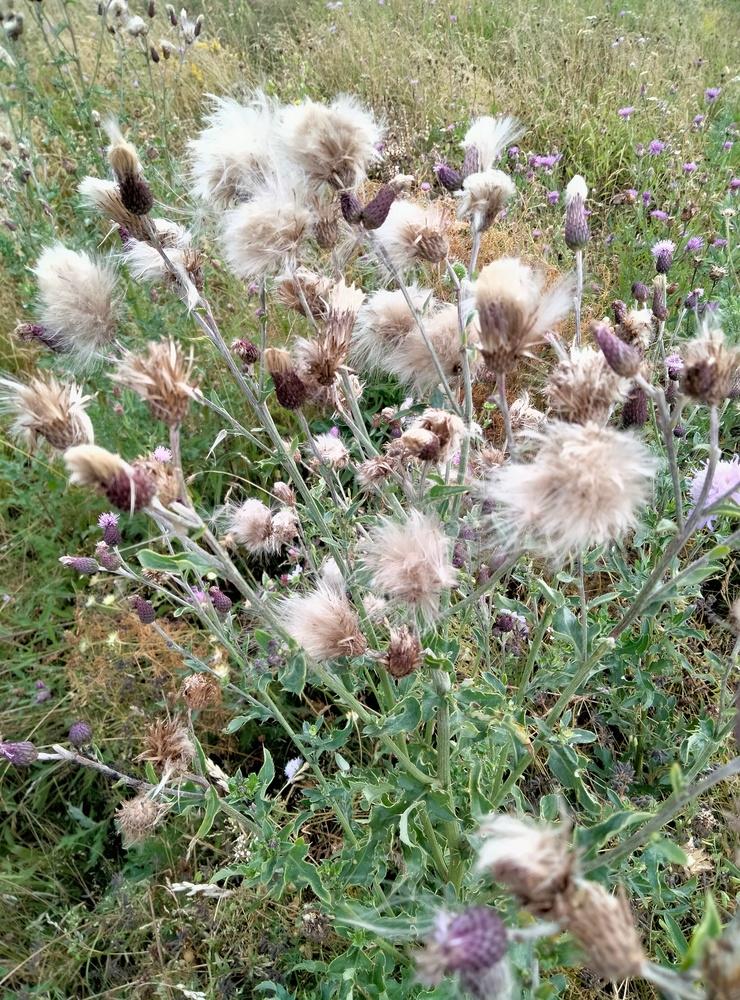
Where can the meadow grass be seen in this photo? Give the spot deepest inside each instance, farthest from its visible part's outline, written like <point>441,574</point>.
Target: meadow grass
<point>82,917</point>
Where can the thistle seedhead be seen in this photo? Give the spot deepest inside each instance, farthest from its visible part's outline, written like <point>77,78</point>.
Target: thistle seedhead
<point>161,376</point>
<point>710,365</point>
<point>200,691</point>
<point>168,746</point>
<point>603,926</point>
<point>137,819</point>
<point>290,389</point>
<point>404,654</point>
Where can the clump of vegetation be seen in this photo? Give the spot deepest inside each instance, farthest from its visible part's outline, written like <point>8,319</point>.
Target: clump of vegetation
<point>375,623</point>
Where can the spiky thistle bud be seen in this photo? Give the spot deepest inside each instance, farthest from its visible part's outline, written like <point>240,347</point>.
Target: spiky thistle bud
<point>200,691</point>
<point>144,609</point>
<point>470,943</point>
<point>220,601</point>
<point>246,351</point>
<point>290,389</point>
<point>107,557</point>
<point>619,309</point>
<point>640,292</point>
<point>80,733</point>
<point>351,207</point>
<point>576,220</point>
<point>403,655</point>
<point>80,564</point>
<point>151,9</point>
<point>199,22</point>
<point>679,431</point>
<point>376,211</point>
<point>448,177</point>
<point>621,358</point>
<point>635,409</point>
<point>108,522</point>
<point>154,54</point>
<point>126,486</point>
<point>660,310</point>
<point>19,754</point>
<point>471,162</point>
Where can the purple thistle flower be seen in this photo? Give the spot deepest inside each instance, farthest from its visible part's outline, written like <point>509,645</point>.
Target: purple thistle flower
<point>109,523</point>
<point>699,120</point>
<point>660,215</point>
<point>726,477</point>
<point>727,145</point>
<point>553,197</point>
<point>513,152</point>
<point>162,454</point>
<point>292,768</point>
<point>694,243</point>
<point>18,754</point>
<point>646,198</point>
<point>220,601</point>
<point>734,184</point>
<point>470,943</point>
<point>711,94</point>
<point>674,366</point>
<point>656,147</point>
<point>663,252</point>
<point>448,177</point>
<point>80,733</point>
<point>42,692</point>
<point>546,163</point>
<point>425,186</point>
<point>720,242</point>
<point>689,168</point>
<point>626,112</point>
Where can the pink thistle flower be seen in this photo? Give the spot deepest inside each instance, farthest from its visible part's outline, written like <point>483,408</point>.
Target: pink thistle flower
<point>690,167</point>
<point>626,112</point>
<point>656,147</point>
<point>711,94</point>
<point>726,477</point>
<point>162,454</point>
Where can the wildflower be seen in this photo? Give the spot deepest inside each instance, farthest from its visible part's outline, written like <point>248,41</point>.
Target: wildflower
<point>136,27</point>
<point>42,692</point>
<point>137,819</point>
<point>221,602</point>
<point>471,943</point>
<point>404,654</point>
<point>553,197</point>
<point>144,609</point>
<point>334,144</point>
<point>107,557</point>
<point>726,478</point>
<point>626,112</point>
<point>413,233</point>
<point>583,387</point>
<point>450,179</point>
<point>620,356</point>
<point>515,312</point>
<point>674,366</point>
<point>694,243</point>
<point>43,408</point>
<point>660,215</point>
<point>711,94</point>
<point>483,196</point>
<point>126,486</point>
<point>292,768</point>
<point>529,859</point>
<point>168,746</point>
<point>264,235</point>
<point>320,358</point>
<point>663,252</point>
<point>135,193</point>
<point>80,564</point>
<point>108,522</point>
<point>79,734</point>
<point>547,162</point>
<point>603,926</point>
<point>290,389</point>
<point>19,754</point>
<point>525,417</point>
<point>324,623</point>
<point>710,365</point>
<point>162,454</point>
<point>576,223</point>
<point>656,147</point>
<point>77,302</point>
<point>161,377</point>
<point>411,562</point>
<point>690,167</point>
<point>284,493</point>
<point>699,120</point>
<point>584,487</point>
<point>236,152</point>
<point>376,471</point>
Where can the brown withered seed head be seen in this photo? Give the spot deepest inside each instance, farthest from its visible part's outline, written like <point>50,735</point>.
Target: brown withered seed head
<point>284,493</point>
<point>137,819</point>
<point>376,471</point>
<point>168,746</point>
<point>161,377</point>
<point>418,442</point>
<point>637,328</point>
<point>603,926</point>
<point>200,691</point>
<point>315,288</point>
<point>582,387</point>
<point>403,655</point>
<point>722,965</point>
<point>710,364</point>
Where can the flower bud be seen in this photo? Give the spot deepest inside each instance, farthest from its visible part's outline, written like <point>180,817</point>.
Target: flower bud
<point>144,609</point>
<point>576,220</point>
<point>660,310</point>
<point>351,206</point>
<point>19,754</point>
<point>635,409</point>
<point>641,292</point>
<point>80,733</point>
<point>448,177</point>
<point>376,211</point>
<point>81,564</point>
<point>220,601</point>
<point>471,162</point>
<point>603,926</point>
<point>621,358</point>
<point>107,557</point>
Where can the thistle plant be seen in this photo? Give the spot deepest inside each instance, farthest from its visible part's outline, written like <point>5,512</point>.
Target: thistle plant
<point>362,598</point>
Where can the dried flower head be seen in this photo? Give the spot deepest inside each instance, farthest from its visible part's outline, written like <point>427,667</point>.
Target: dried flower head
<point>324,623</point>
<point>127,487</point>
<point>410,562</point>
<point>470,943</point>
<point>161,376</point>
<point>77,301</point>
<point>582,387</point>
<point>162,475</point>
<point>320,358</point>
<point>135,193</point>
<point>303,289</point>
<point>434,436</point>
<point>43,408</point>
<point>264,235</point>
<point>284,493</point>
<point>404,654</point>
<point>636,328</point>
<point>253,525</point>
<point>168,746</point>
<point>104,197</point>
<point>200,691</point>
<point>383,323</point>
<point>334,144</point>
<point>137,819</point>
<point>290,389</point>
<point>183,270</point>
<point>603,926</point>
<point>329,450</point>
<point>373,472</point>
<point>531,860</point>
<point>236,151</point>
<point>484,195</point>
<point>412,362</point>
<point>515,311</point>
<point>584,487</point>
<point>489,137</point>
<point>414,233</point>
<point>710,364</point>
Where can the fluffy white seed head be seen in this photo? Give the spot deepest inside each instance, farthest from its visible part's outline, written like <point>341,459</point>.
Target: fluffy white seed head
<point>237,151</point>
<point>250,524</point>
<point>412,362</point>
<point>490,137</point>
<point>414,233</point>
<point>45,409</point>
<point>89,465</point>
<point>585,486</point>
<point>383,323</point>
<point>323,622</point>
<point>576,188</point>
<point>330,450</point>
<point>409,561</point>
<point>333,144</point>
<point>77,301</point>
<point>484,196</point>
<point>582,387</point>
<point>264,235</point>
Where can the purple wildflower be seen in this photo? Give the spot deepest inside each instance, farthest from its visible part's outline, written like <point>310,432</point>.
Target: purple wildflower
<point>425,186</point>
<point>720,242</point>
<point>727,145</point>
<point>646,198</point>
<point>690,167</point>
<point>726,478</point>
<point>18,754</point>
<point>659,214</point>
<point>162,454</point>
<point>80,733</point>
<point>546,163</point>
<point>626,112</point>
<point>663,252</point>
<point>674,366</point>
<point>694,243</point>
<point>711,94</point>
<point>513,152</point>
<point>699,120</point>
<point>735,184</point>
<point>553,197</point>
<point>656,147</point>
<point>42,692</point>
<point>470,943</point>
<point>109,524</point>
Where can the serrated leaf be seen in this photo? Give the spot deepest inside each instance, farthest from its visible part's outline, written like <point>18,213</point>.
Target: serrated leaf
<point>177,564</point>
<point>404,719</point>
<point>293,676</point>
